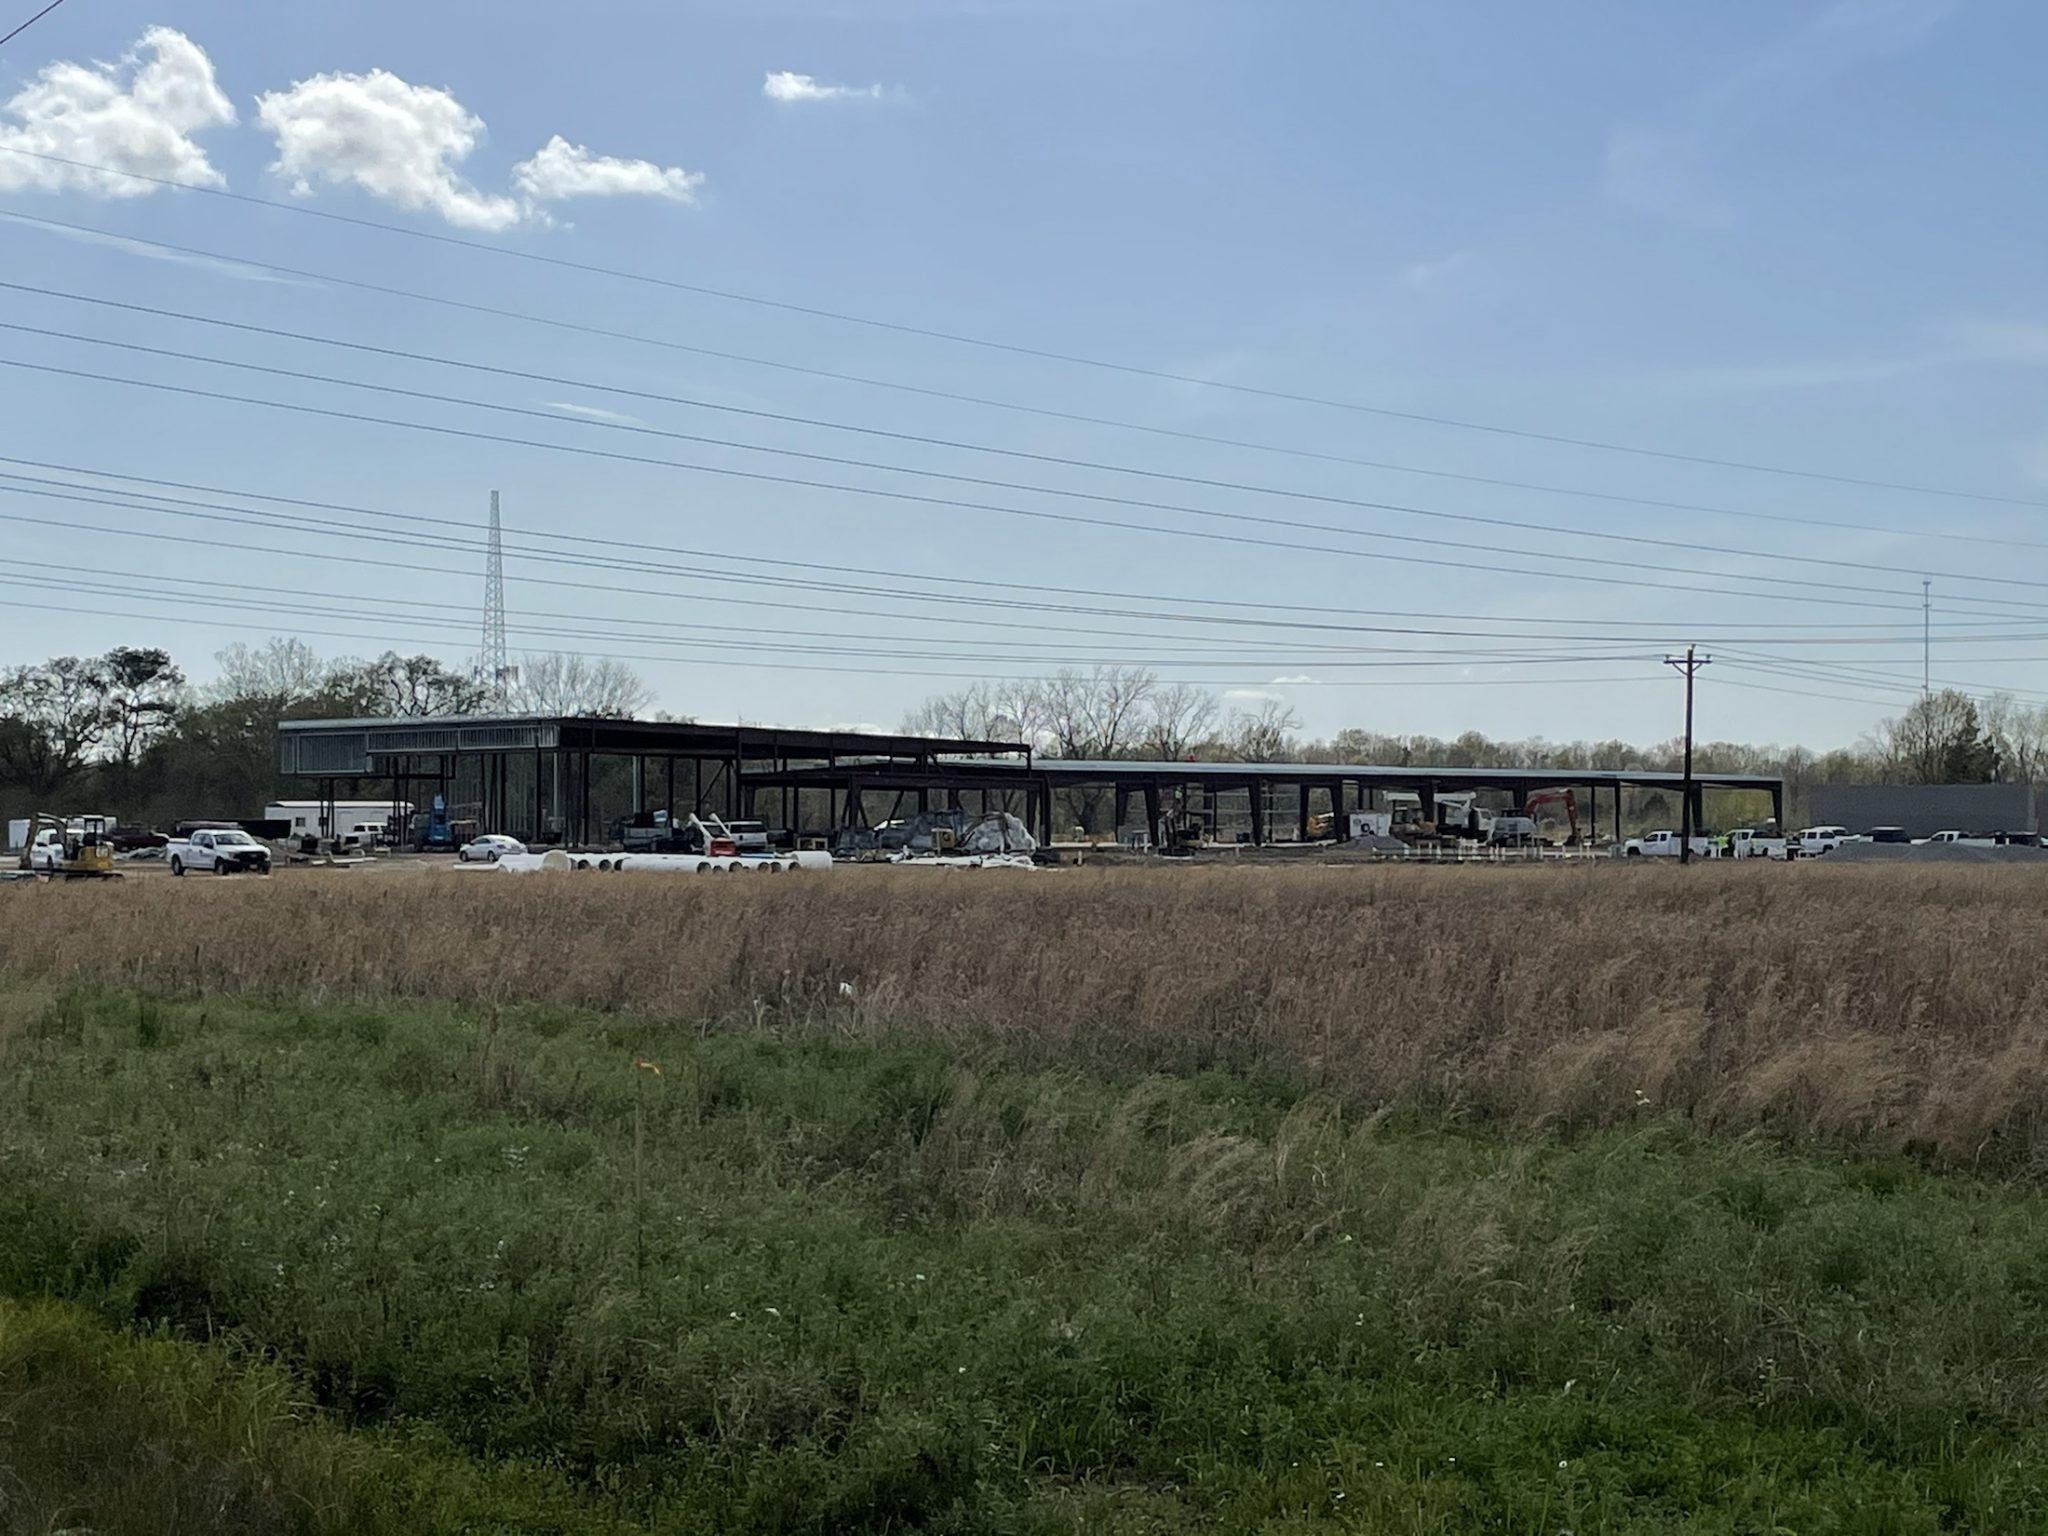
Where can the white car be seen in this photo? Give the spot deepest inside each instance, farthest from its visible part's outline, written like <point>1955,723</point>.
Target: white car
<point>1815,841</point>
<point>489,848</point>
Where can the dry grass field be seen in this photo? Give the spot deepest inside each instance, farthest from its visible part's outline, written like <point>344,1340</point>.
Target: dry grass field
<point>1890,1008</point>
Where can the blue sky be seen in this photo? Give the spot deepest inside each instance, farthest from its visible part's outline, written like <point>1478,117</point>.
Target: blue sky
<point>1804,235</point>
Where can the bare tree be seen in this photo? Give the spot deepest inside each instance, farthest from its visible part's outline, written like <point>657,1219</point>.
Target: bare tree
<point>1265,735</point>
<point>564,683</point>
<point>1178,719</point>
<point>284,670</point>
<point>1098,713</point>
<point>2019,735</point>
<point>998,711</point>
<point>392,684</point>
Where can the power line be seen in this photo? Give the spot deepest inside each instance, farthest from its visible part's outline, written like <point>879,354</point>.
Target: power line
<point>1324,655</point>
<point>1806,587</point>
<point>1862,673</point>
<point>841,572</point>
<point>1785,666</point>
<point>1016,349</point>
<point>641,569</point>
<point>330,528</point>
<point>615,589</point>
<point>385,638</point>
<point>959,397</point>
<point>1064,461</point>
<point>39,15</point>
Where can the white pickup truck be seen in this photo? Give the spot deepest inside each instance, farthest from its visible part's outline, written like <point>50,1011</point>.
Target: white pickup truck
<point>1756,843</point>
<point>223,852</point>
<point>1665,845</point>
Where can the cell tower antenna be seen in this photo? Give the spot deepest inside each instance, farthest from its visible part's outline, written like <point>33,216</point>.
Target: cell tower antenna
<point>495,665</point>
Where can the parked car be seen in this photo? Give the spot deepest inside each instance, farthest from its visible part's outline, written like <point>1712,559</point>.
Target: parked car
<point>224,852</point>
<point>489,848</point>
<point>365,834</point>
<point>1887,835</point>
<point>1815,841</point>
<point>1665,845</point>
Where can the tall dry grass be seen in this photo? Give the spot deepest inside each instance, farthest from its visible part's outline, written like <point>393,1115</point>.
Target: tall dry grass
<point>1896,1007</point>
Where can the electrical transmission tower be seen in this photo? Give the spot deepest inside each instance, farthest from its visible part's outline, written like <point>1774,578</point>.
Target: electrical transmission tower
<point>495,666</point>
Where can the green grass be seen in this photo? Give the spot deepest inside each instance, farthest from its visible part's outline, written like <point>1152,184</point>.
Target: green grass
<point>483,1264</point>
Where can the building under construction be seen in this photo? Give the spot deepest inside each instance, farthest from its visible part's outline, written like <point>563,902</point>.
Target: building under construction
<point>570,780</point>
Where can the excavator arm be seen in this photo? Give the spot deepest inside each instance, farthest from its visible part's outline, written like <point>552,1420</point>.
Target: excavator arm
<point>1571,807</point>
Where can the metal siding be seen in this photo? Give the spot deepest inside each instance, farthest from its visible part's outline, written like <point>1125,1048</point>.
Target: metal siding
<point>334,753</point>
<point>1924,809</point>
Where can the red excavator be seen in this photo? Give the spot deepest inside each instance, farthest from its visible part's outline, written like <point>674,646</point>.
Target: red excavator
<point>1571,809</point>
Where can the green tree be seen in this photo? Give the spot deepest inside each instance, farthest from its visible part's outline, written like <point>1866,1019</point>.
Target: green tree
<point>52,719</point>
<point>1939,740</point>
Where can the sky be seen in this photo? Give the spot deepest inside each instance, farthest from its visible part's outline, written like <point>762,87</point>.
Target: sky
<point>1427,369</point>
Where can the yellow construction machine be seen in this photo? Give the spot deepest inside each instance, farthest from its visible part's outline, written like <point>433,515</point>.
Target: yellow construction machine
<point>74,850</point>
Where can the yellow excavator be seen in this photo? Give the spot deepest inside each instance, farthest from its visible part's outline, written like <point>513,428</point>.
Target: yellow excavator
<point>76,850</point>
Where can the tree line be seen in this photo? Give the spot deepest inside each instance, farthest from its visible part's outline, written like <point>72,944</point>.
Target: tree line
<point>1945,737</point>
<point>127,734</point>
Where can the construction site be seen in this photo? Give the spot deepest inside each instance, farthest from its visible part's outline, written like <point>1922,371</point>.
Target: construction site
<point>610,783</point>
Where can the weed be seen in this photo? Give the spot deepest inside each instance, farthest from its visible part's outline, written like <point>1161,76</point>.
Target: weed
<point>1884,1007</point>
<point>807,1282</point>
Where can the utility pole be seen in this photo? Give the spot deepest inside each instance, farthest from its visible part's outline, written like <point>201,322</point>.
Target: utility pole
<point>1690,664</point>
<point>1926,634</point>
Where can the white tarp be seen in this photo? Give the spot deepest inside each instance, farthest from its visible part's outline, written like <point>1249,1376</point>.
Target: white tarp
<point>998,832</point>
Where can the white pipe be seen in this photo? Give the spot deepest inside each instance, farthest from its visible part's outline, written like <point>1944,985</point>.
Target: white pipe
<point>557,860</point>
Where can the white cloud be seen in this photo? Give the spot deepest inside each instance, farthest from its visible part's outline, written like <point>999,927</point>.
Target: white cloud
<point>397,141</point>
<point>136,115</point>
<point>220,264</point>
<point>594,412</point>
<point>1282,682</point>
<point>405,144</point>
<point>788,85</point>
<point>560,170</point>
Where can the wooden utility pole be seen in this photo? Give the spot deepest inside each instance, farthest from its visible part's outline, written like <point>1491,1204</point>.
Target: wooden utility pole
<point>1689,664</point>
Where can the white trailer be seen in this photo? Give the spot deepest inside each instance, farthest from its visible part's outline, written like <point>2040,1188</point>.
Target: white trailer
<point>303,816</point>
